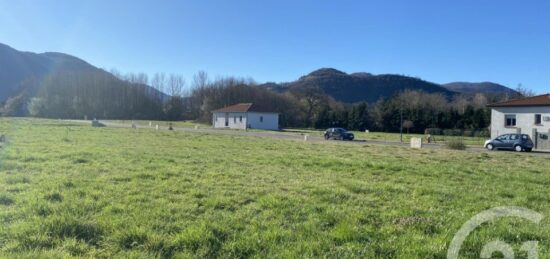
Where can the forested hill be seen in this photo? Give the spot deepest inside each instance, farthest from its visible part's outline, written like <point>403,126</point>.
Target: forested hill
<point>358,87</point>
<point>19,68</point>
<point>484,87</point>
<point>57,85</point>
<point>60,85</point>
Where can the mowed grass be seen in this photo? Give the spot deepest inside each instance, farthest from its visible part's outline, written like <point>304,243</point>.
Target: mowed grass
<point>162,124</point>
<point>373,135</point>
<point>69,190</point>
<point>388,136</point>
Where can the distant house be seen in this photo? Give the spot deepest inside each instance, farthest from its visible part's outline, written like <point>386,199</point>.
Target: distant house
<point>245,116</point>
<point>529,115</point>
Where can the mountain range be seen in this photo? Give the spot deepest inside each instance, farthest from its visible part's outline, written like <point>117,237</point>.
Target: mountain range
<point>21,71</point>
<point>484,87</point>
<point>24,71</point>
<point>357,87</point>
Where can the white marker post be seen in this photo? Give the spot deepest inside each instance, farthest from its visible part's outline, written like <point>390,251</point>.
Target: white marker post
<point>416,143</point>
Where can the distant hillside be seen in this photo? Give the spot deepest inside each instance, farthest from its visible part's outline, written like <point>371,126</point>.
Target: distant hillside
<point>484,87</point>
<point>18,68</point>
<point>357,87</point>
<point>25,75</point>
<point>63,86</point>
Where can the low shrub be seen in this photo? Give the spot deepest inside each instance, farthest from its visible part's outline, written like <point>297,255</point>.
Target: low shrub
<point>17,179</point>
<point>63,227</point>
<point>6,200</point>
<point>56,197</point>
<point>456,144</point>
<point>131,238</point>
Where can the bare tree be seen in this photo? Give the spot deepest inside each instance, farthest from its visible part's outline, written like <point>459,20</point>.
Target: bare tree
<point>522,92</point>
<point>176,84</point>
<point>142,78</point>
<point>200,79</point>
<point>174,108</point>
<point>159,82</point>
<point>116,73</point>
<point>460,102</point>
<point>313,98</point>
<point>479,101</point>
<point>408,125</point>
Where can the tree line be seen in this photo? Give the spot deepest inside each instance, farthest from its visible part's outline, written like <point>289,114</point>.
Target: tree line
<point>97,94</point>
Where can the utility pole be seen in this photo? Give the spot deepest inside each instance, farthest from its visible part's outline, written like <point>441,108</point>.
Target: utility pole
<point>401,127</point>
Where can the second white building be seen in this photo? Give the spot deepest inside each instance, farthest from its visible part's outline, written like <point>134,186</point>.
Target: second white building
<point>529,116</point>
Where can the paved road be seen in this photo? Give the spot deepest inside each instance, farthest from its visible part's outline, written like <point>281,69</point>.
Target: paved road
<point>292,136</point>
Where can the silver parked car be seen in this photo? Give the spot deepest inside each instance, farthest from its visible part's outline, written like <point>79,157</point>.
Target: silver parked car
<point>517,142</point>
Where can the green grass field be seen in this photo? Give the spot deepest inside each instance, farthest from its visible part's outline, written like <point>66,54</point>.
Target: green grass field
<point>163,124</point>
<point>70,190</point>
<point>387,136</point>
<point>381,136</point>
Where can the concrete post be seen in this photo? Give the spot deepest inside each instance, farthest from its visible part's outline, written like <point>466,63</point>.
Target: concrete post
<point>416,143</point>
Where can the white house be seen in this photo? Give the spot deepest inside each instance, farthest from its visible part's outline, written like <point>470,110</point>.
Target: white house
<point>245,116</point>
<point>529,115</point>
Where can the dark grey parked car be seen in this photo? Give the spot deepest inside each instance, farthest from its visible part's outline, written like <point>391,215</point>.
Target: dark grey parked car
<point>517,142</point>
<point>338,133</point>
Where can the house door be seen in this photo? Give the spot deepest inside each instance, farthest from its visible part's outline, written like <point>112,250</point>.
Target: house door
<point>227,119</point>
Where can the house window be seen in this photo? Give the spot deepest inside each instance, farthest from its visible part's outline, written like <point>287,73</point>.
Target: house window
<point>261,118</point>
<point>538,119</point>
<point>240,118</point>
<point>510,120</point>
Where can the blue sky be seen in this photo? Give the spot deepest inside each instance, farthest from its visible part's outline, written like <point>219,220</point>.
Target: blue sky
<point>504,41</point>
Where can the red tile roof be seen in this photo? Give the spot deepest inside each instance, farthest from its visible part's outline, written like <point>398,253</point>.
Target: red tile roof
<point>541,100</point>
<point>243,107</point>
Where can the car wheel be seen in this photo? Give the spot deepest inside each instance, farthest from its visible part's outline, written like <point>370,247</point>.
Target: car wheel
<point>518,148</point>
<point>490,147</point>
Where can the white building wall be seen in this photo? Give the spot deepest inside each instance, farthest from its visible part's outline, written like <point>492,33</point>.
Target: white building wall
<point>270,121</point>
<point>525,120</point>
<point>234,120</point>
